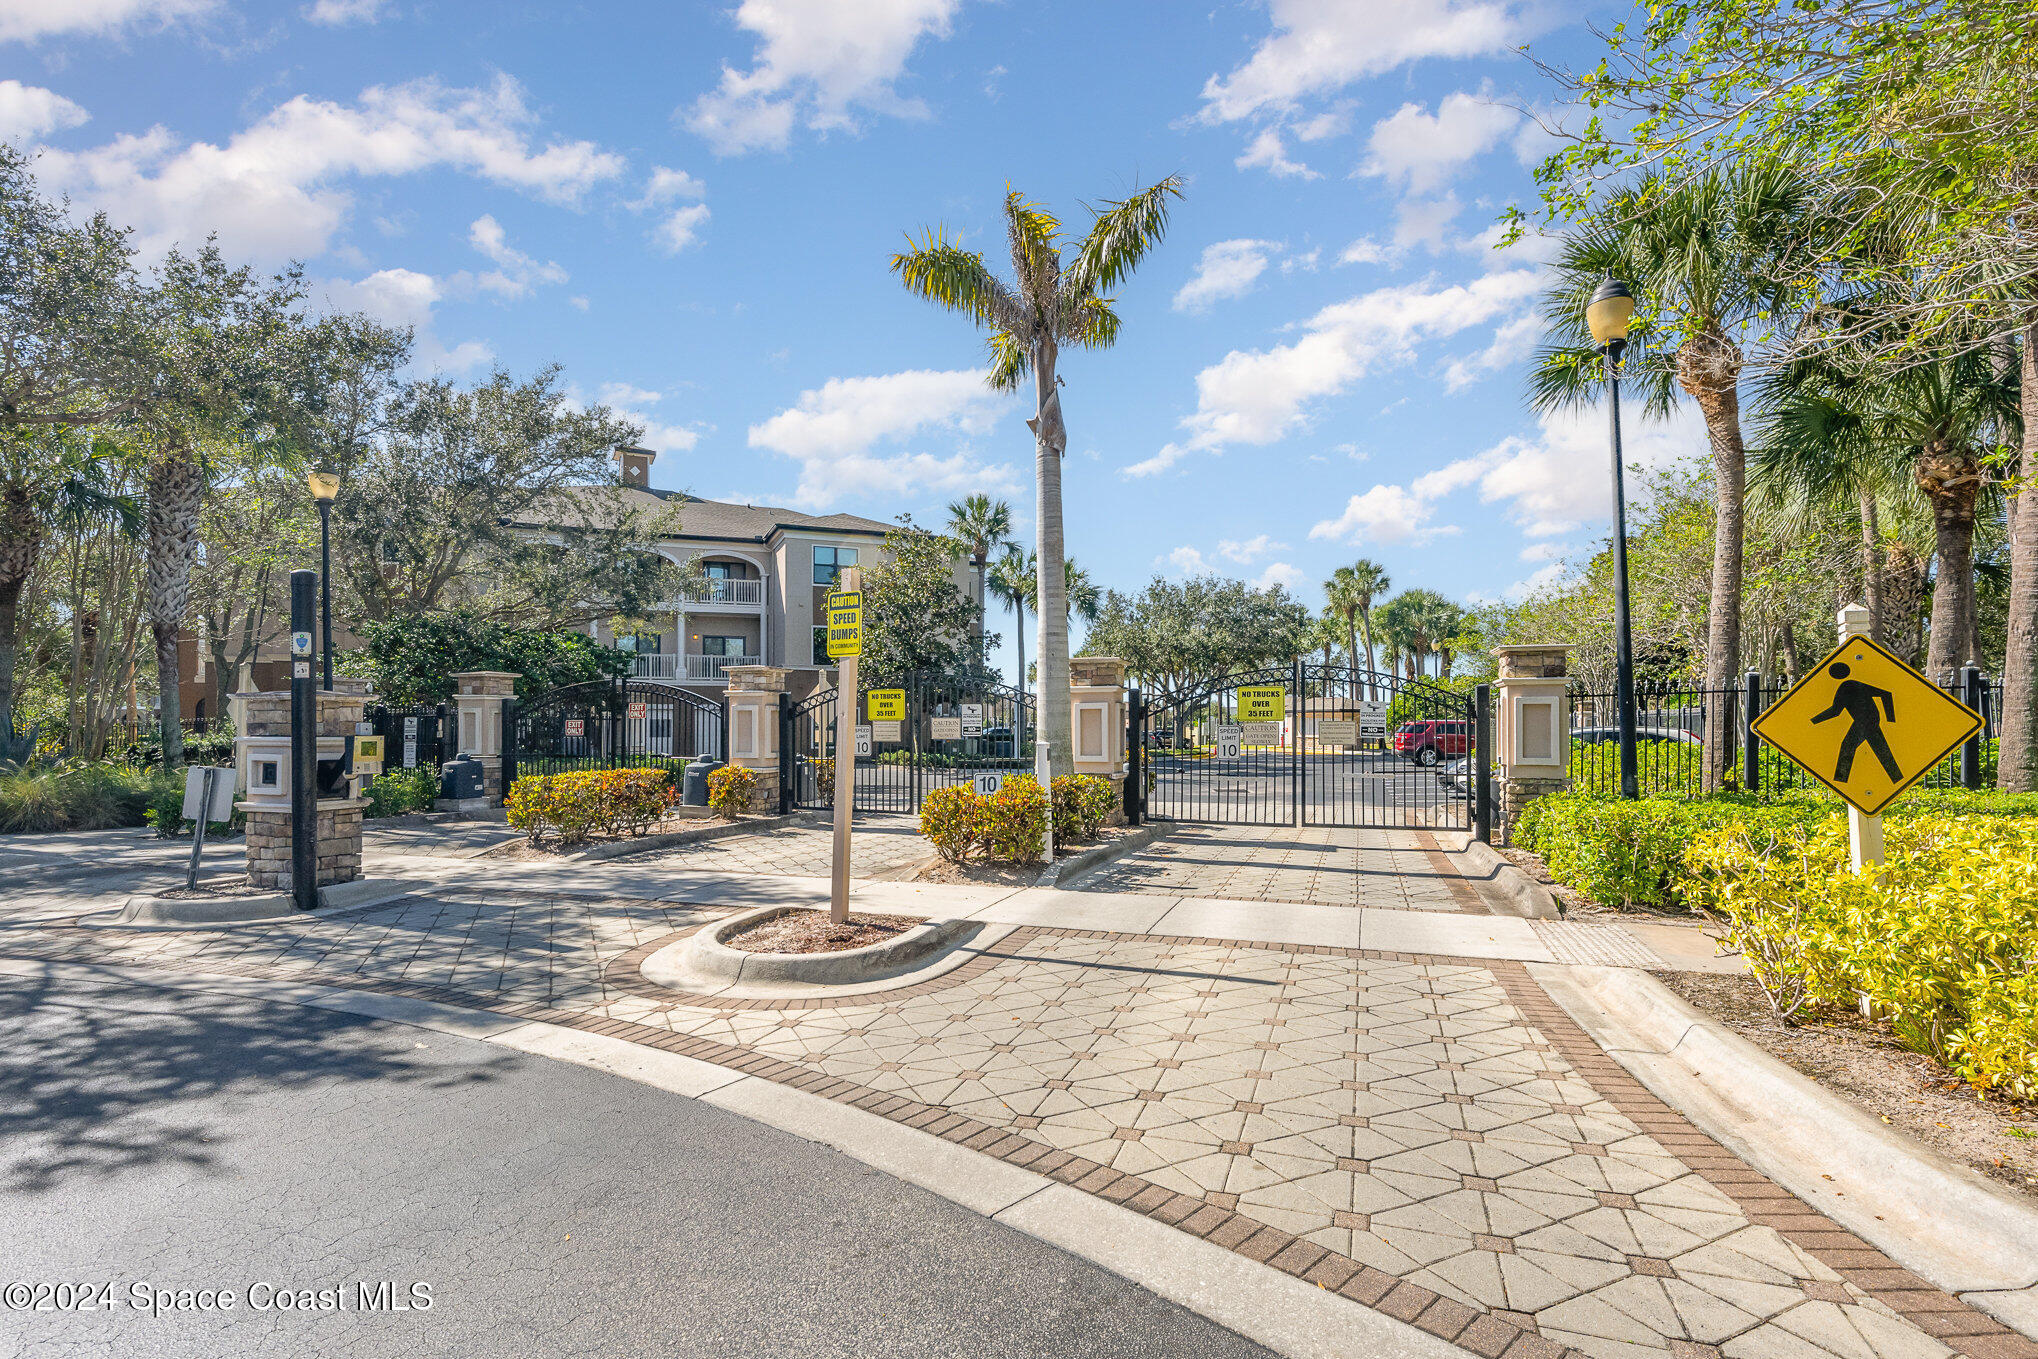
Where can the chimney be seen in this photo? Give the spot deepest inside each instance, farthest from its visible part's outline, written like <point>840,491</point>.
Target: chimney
<point>636,464</point>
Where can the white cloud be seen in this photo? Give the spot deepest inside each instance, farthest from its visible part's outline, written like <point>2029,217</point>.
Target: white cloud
<point>579,303</point>
<point>818,63</point>
<point>1425,222</point>
<point>666,185</point>
<point>1365,250</point>
<point>405,297</point>
<point>834,430</point>
<point>1522,589</point>
<point>1227,269</point>
<point>1280,573</point>
<point>1421,151</point>
<point>1265,152</point>
<point>1258,396</point>
<point>28,112</point>
<point>1543,552</point>
<point>681,228</point>
<point>1186,561</point>
<point>1551,483</point>
<point>273,191</point>
<point>28,20</point>
<point>337,12</point>
<point>516,273</point>
<point>623,394</point>
<point>1317,46</point>
<point>1513,340</point>
<point>1249,549</point>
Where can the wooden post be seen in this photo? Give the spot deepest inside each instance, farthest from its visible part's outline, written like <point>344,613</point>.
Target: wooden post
<point>845,765</point>
<point>1864,832</point>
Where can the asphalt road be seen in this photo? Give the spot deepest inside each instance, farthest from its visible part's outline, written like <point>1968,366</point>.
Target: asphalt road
<point>192,1142</point>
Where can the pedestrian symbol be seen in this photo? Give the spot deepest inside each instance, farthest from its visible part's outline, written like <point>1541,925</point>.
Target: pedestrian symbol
<point>1866,725</point>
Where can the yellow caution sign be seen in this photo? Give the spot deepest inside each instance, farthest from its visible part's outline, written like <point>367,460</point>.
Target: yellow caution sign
<point>845,624</point>
<point>1866,725</point>
<point>1262,702</point>
<point>886,705</point>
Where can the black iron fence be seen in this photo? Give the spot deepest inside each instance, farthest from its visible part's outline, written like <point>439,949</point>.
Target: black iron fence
<point>416,736</point>
<point>1671,722</point>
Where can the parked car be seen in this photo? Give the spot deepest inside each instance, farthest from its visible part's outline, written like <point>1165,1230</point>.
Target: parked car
<point>1433,739</point>
<point>1594,736</point>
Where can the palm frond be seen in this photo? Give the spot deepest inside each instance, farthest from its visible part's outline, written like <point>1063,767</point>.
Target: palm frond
<point>1122,235</point>
<point>1036,251</point>
<point>1090,322</point>
<point>1009,362</point>
<point>949,276</point>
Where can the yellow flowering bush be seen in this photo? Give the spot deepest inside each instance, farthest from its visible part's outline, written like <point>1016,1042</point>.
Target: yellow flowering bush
<point>1009,826</point>
<point>1081,803</point>
<point>730,789</point>
<point>574,806</point>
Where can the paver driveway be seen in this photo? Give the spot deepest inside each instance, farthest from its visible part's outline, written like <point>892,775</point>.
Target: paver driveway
<point>1425,1134</point>
<point>1319,865</point>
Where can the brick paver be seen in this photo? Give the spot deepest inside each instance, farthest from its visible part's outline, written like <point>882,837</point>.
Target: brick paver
<point>880,844</point>
<point>1429,1136</point>
<point>1318,865</point>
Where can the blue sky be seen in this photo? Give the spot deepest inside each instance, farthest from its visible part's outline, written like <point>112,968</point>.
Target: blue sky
<point>692,206</point>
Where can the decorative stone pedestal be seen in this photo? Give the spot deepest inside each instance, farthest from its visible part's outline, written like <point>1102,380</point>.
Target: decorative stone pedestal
<point>754,693</point>
<point>262,756</point>
<point>1097,724</point>
<point>1533,743</point>
<point>478,699</point>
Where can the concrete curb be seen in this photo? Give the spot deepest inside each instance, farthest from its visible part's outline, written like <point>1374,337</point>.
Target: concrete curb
<point>1516,892</point>
<point>706,955</point>
<point>179,913</point>
<point>1067,870</point>
<point>1942,1221</point>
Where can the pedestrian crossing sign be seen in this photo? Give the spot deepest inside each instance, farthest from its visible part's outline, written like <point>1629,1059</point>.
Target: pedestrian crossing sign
<point>1866,724</point>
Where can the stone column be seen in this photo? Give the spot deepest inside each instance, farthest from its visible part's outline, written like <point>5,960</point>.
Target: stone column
<point>754,692</point>
<point>262,759</point>
<point>1532,743</point>
<point>1097,723</point>
<point>478,697</point>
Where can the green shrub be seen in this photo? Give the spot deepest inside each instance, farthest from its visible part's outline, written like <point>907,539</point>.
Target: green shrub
<point>1009,826</point>
<point>1081,804</point>
<point>402,790</point>
<point>1941,939</point>
<point>79,796</point>
<point>1632,853</point>
<point>952,819</point>
<point>31,802</point>
<point>574,806</point>
<point>730,789</point>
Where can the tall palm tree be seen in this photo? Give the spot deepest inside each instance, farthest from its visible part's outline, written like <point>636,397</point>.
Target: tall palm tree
<point>1400,623</point>
<point>982,525</point>
<point>1050,302</point>
<point>1327,632</point>
<point>1011,580</point>
<point>1714,259</point>
<point>1351,591</point>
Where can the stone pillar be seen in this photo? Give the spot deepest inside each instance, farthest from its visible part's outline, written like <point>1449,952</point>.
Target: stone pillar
<point>478,697</point>
<point>262,759</point>
<point>1532,742</point>
<point>1097,723</point>
<point>754,692</point>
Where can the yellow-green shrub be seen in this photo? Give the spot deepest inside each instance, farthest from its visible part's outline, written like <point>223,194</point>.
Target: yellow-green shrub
<point>1081,803</point>
<point>574,806</point>
<point>1941,939</point>
<point>1010,825</point>
<point>730,789</point>
<point>952,818</point>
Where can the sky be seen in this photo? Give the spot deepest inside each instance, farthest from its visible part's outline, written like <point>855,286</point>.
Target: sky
<point>692,207</point>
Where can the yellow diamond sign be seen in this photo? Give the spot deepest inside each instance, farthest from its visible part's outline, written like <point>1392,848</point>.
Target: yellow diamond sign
<point>1865,724</point>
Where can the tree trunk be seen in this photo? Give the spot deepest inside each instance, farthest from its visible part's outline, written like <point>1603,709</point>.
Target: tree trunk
<point>1708,369</point>
<point>1366,621</point>
<point>20,542</point>
<point>1951,481</point>
<point>1051,572</point>
<point>2017,721</point>
<point>175,485</point>
<point>1871,563</point>
<point>1019,635</point>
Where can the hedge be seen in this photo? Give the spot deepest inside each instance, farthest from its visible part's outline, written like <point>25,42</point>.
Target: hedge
<point>81,796</point>
<point>1941,939</point>
<point>571,807</point>
<point>730,789</point>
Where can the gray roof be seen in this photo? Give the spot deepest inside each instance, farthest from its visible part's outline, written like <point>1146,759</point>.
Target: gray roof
<point>725,521</point>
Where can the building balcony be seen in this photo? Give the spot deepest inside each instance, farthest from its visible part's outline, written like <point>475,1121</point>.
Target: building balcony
<point>713,593</point>
<point>703,669</point>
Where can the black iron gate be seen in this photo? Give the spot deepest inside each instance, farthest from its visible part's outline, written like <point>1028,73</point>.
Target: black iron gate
<point>613,724</point>
<point>413,736</point>
<point>953,728</point>
<point>1350,748</point>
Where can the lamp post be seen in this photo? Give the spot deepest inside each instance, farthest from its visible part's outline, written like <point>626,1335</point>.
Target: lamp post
<point>325,485</point>
<point>1607,316</point>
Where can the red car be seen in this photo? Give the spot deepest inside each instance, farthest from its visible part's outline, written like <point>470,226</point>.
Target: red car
<point>1432,740</point>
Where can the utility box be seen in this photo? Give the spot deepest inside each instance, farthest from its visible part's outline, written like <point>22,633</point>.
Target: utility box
<point>460,779</point>
<point>694,792</point>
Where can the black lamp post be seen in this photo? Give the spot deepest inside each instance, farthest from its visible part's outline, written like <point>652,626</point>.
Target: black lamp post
<point>1607,316</point>
<point>325,485</point>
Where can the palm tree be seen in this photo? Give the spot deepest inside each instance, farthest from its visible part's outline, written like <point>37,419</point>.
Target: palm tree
<point>1327,632</point>
<point>1714,258</point>
<point>1049,303</point>
<point>982,525</point>
<point>1399,621</point>
<point>1011,580</point>
<point>1084,598</point>
<point>1351,591</point>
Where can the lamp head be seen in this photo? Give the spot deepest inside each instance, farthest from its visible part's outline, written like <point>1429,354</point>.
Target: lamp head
<point>324,484</point>
<point>1608,313</point>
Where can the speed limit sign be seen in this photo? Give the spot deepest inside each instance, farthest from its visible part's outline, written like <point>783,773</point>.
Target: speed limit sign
<point>1230,741</point>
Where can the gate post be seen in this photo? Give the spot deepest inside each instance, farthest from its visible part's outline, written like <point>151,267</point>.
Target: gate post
<point>479,696</point>
<point>1097,719</point>
<point>1970,752</point>
<point>1135,758</point>
<point>785,754</point>
<point>1751,744</point>
<point>755,697</point>
<point>1482,764</point>
<point>1534,744</point>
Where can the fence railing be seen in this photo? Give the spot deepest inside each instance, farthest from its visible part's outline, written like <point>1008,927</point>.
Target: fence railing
<point>1671,721</point>
<point>668,666</point>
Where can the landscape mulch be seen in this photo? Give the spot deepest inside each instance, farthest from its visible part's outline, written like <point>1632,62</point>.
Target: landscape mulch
<point>813,932</point>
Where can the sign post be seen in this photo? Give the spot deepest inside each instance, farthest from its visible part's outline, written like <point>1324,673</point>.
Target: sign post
<point>208,797</point>
<point>845,644</point>
<point>1868,726</point>
<point>303,744</point>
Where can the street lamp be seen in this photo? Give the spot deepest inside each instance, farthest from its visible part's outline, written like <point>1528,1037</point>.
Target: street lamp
<point>325,485</point>
<point>1607,316</point>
